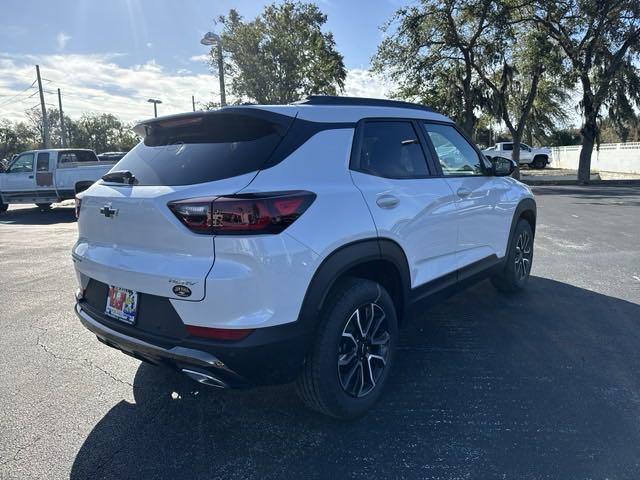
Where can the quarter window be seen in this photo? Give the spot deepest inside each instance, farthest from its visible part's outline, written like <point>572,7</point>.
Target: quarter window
<point>24,163</point>
<point>42,165</point>
<point>392,150</point>
<point>456,155</point>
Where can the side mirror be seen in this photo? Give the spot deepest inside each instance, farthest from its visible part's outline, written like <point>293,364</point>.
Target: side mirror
<point>503,167</point>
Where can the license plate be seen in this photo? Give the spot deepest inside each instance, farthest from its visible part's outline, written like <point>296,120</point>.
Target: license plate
<point>122,304</point>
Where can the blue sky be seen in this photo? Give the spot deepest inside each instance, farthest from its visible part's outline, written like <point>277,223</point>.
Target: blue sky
<point>112,55</point>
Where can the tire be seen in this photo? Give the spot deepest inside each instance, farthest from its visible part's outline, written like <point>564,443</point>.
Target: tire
<point>539,162</point>
<point>3,207</point>
<point>342,391</point>
<point>515,273</point>
<point>43,206</point>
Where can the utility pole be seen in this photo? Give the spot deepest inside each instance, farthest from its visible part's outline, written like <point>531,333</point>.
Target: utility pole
<point>45,123</point>
<point>63,133</point>
<point>193,102</point>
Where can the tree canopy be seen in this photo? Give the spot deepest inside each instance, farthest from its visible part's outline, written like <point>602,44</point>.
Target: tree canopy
<point>281,55</point>
<point>99,131</point>
<point>600,40</point>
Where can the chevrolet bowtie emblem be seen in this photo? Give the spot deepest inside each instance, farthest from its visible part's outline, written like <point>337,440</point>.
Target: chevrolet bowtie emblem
<point>109,212</point>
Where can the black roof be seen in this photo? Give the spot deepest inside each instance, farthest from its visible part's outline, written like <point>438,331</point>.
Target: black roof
<point>360,101</point>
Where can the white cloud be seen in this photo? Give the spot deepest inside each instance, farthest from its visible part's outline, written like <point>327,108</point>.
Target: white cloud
<point>199,58</point>
<point>362,83</point>
<point>62,39</point>
<point>98,83</point>
<point>149,44</point>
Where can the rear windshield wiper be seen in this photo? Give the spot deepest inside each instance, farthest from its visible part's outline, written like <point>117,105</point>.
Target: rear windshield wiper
<point>120,176</point>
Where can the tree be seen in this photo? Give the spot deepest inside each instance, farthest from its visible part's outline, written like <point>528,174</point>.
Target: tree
<point>16,138</point>
<point>428,55</point>
<point>547,112</point>
<point>34,117</point>
<point>601,42</point>
<point>282,55</point>
<point>511,58</point>
<point>103,132</point>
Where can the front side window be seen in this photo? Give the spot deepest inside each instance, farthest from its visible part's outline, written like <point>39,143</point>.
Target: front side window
<point>24,163</point>
<point>455,153</point>
<point>392,150</point>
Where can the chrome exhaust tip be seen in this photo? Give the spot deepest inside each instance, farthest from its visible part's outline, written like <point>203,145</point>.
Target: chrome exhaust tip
<point>204,378</point>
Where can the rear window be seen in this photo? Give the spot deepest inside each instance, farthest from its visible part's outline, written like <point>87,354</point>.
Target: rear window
<point>198,149</point>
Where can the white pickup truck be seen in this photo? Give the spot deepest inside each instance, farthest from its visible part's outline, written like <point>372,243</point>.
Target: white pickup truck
<point>44,177</point>
<point>534,157</point>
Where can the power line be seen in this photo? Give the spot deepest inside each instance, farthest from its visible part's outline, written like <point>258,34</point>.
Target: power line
<point>7,101</point>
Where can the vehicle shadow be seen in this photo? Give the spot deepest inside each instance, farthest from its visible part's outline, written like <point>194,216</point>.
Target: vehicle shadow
<point>541,384</point>
<point>37,216</point>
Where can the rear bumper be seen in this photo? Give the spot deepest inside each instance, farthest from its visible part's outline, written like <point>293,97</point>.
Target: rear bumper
<point>267,356</point>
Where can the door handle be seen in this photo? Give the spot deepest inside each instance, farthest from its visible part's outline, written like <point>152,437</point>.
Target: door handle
<point>463,192</point>
<point>387,201</point>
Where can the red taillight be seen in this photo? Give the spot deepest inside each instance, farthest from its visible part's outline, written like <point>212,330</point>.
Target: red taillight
<point>78,204</point>
<point>242,214</point>
<point>218,333</point>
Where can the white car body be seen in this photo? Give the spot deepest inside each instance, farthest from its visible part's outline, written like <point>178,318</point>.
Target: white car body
<point>49,176</point>
<point>528,155</point>
<point>443,225</point>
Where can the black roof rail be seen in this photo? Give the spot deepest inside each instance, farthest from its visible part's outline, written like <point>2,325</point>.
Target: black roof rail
<point>360,101</point>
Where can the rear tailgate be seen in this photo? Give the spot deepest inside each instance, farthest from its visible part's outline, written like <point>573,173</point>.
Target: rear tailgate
<point>129,238</point>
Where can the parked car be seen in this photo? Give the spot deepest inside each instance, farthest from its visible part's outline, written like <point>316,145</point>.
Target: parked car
<point>44,177</point>
<point>266,244</point>
<point>111,156</point>
<point>533,157</point>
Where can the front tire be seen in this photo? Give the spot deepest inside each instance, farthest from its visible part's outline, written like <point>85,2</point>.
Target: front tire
<point>515,273</point>
<point>539,163</point>
<point>3,207</point>
<point>349,363</point>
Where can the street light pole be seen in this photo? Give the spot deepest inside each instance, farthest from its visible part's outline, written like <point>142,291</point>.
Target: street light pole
<point>223,96</point>
<point>155,106</point>
<point>210,39</point>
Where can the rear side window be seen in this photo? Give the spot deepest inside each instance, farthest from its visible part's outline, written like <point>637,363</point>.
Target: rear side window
<point>391,150</point>
<point>507,147</point>
<point>198,149</point>
<point>73,158</point>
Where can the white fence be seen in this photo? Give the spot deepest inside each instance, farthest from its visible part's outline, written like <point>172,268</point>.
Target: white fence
<point>611,157</point>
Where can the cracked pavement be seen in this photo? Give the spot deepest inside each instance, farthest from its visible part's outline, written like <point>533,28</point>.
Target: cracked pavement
<point>543,384</point>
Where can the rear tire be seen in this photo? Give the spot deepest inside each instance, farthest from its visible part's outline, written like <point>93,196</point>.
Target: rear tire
<point>346,370</point>
<point>515,273</point>
<point>44,206</point>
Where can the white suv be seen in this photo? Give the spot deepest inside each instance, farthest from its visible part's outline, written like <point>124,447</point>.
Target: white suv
<point>265,244</point>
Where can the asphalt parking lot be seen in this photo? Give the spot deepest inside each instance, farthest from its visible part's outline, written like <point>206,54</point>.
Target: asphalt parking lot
<point>544,384</point>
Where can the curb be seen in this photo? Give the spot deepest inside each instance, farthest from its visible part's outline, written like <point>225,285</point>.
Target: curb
<point>555,183</point>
